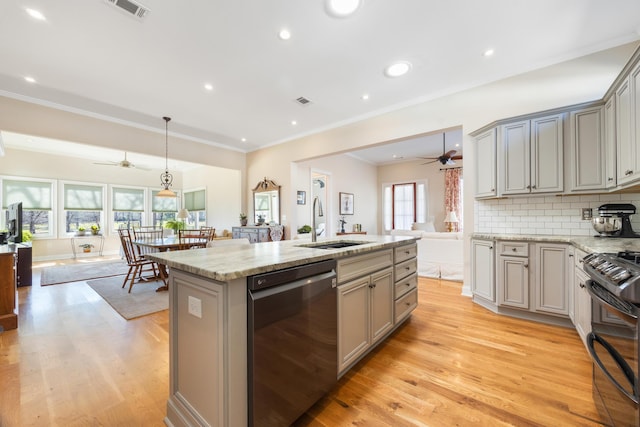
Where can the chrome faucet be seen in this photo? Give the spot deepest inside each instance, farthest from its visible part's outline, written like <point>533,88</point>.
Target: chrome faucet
<point>314,236</point>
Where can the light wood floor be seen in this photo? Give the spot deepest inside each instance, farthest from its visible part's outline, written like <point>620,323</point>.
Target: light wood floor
<point>75,362</point>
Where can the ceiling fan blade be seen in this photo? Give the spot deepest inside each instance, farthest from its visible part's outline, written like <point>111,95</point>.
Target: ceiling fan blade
<point>450,153</point>
<point>142,168</point>
<point>107,163</point>
<point>457,157</point>
<point>428,163</point>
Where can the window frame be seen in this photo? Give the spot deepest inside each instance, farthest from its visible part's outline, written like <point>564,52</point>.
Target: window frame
<point>52,202</point>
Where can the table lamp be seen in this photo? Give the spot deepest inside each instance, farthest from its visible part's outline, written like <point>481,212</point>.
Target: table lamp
<point>450,219</point>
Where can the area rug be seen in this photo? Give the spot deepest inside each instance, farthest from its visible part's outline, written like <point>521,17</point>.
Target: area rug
<point>142,300</point>
<point>79,272</point>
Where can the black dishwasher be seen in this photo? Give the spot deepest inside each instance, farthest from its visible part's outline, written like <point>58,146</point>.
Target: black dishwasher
<point>292,341</point>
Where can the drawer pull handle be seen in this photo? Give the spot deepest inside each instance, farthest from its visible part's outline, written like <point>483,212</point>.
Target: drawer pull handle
<point>513,249</point>
<point>408,304</point>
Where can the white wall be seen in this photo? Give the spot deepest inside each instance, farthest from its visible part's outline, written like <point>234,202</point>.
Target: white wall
<point>416,170</point>
<point>224,190</point>
<point>347,175</point>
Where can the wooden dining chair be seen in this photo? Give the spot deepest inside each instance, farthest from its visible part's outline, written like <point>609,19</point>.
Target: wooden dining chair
<point>137,263</point>
<point>208,232</point>
<point>191,239</point>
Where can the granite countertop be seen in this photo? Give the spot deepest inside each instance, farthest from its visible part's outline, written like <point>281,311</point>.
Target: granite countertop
<point>225,263</point>
<point>586,243</point>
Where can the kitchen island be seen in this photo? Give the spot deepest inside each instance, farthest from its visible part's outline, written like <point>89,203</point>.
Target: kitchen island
<point>208,314</point>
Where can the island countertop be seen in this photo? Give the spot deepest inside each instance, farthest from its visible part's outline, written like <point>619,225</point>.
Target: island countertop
<point>225,263</point>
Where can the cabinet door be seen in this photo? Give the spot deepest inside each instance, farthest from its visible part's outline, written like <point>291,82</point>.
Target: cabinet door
<point>353,321</point>
<point>482,269</point>
<point>513,282</point>
<point>546,154</point>
<point>634,83</point>
<point>582,305</point>
<point>382,301</point>
<point>486,164</point>
<point>514,157</point>
<point>587,150</point>
<point>626,149</point>
<point>610,142</point>
<point>552,277</point>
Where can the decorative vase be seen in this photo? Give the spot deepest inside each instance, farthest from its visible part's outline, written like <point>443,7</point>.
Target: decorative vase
<point>243,222</point>
<point>80,233</point>
<point>86,250</point>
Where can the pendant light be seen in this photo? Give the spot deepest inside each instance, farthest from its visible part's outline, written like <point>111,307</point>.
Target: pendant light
<point>166,179</point>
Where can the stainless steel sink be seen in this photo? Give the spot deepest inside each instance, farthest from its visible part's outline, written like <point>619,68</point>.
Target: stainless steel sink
<point>332,245</point>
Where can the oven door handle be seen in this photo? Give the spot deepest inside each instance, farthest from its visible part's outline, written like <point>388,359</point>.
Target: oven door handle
<point>629,316</point>
<point>626,369</point>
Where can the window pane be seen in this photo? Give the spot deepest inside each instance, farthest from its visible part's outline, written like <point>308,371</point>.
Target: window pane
<point>128,199</point>
<point>388,209</point>
<point>127,220</point>
<point>195,200</point>
<point>82,197</point>
<point>36,222</point>
<point>76,219</point>
<point>403,206</point>
<point>159,218</point>
<point>32,194</point>
<point>163,204</point>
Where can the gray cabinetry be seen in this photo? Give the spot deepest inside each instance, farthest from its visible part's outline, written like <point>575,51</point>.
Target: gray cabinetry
<point>588,152</point>
<point>581,299</point>
<point>486,164</point>
<point>513,274</point>
<point>627,105</point>
<point>376,291</point>
<point>482,270</point>
<point>610,143</point>
<point>552,278</point>
<point>255,234</point>
<point>530,156</point>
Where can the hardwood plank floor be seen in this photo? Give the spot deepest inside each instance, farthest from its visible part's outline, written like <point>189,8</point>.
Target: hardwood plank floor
<point>75,362</point>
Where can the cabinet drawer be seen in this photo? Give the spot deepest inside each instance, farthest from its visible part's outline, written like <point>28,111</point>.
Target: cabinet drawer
<point>361,265</point>
<point>405,269</point>
<point>403,253</point>
<point>405,285</point>
<point>405,305</point>
<point>513,248</point>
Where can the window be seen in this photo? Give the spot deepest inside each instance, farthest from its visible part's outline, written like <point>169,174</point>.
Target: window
<point>163,209</point>
<point>37,201</point>
<point>196,203</point>
<point>83,205</point>
<point>127,206</point>
<point>404,204</point>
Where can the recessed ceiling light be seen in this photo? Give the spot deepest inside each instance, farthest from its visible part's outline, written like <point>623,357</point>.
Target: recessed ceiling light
<point>243,139</point>
<point>284,34</point>
<point>208,86</point>
<point>488,52</point>
<point>342,8</point>
<point>30,79</point>
<point>365,97</point>
<point>397,69</point>
<point>395,156</point>
<point>293,123</point>
<point>36,14</point>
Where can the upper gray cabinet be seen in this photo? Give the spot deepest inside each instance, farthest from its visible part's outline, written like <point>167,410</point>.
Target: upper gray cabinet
<point>627,104</point>
<point>530,156</point>
<point>610,143</point>
<point>486,164</point>
<point>587,158</point>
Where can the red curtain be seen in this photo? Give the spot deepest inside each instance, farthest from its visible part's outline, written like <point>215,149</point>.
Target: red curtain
<point>453,194</point>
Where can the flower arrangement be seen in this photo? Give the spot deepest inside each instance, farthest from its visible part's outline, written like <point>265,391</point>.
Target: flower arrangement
<point>86,247</point>
<point>95,229</point>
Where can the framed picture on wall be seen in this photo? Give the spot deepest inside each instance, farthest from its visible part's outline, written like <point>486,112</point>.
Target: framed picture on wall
<point>346,204</point>
<point>302,197</point>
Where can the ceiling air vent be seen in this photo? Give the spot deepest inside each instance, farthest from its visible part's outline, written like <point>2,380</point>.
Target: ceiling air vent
<point>303,101</point>
<point>132,8</point>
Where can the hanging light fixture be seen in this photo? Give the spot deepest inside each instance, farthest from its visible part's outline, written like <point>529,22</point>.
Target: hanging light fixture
<point>166,179</point>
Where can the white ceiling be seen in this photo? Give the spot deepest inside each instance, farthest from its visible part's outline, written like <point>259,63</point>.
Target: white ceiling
<point>93,58</point>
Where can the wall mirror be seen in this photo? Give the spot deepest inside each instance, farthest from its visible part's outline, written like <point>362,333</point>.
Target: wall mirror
<point>266,202</point>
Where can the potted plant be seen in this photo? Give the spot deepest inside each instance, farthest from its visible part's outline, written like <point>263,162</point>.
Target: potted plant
<point>95,229</point>
<point>304,229</point>
<point>243,219</point>
<point>80,231</point>
<point>260,219</point>
<point>175,225</point>
<point>86,247</point>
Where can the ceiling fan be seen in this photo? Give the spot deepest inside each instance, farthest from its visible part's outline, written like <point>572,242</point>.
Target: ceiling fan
<point>447,158</point>
<point>122,163</point>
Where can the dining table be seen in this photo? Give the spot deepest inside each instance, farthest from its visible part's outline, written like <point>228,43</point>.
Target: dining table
<point>169,243</point>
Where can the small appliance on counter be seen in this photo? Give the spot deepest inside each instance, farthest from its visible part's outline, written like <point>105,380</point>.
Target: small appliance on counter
<point>614,220</point>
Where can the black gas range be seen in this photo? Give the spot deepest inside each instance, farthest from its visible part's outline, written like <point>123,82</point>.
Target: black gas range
<point>614,287</point>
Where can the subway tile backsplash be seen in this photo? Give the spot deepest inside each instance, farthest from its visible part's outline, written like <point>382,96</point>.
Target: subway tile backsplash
<point>560,215</point>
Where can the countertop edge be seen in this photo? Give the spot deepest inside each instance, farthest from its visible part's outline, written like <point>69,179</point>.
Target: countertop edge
<point>227,263</point>
<point>589,244</point>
